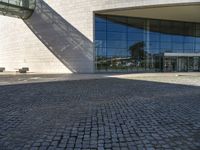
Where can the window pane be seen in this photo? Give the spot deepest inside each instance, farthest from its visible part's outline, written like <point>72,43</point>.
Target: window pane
<point>100,19</point>
<point>101,51</point>
<point>188,47</point>
<point>135,30</point>
<point>116,52</point>
<point>177,38</point>
<point>136,25</point>
<point>154,36</point>
<point>116,24</point>
<point>197,49</point>
<point>165,37</point>
<point>165,47</point>
<point>117,44</point>
<point>154,47</point>
<point>116,36</point>
<point>100,35</point>
<point>189,39</point>
<point>117,19</point>
<point>198,40</point>
<point>124,43</point>
<point>177,28</point>
<point>100,43</point>
<point>177,47</point>
<point>154,26</point>
<point>100,27</point>
<point>116,27</point>
<point>135,37</point>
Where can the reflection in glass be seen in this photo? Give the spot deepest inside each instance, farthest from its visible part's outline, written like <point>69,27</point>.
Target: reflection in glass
<point>137,44</point>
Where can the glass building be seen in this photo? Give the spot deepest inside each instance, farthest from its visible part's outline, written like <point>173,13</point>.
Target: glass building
<point>127,44</point>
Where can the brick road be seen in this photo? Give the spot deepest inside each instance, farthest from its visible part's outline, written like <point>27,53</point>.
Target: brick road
<point>100,114</point>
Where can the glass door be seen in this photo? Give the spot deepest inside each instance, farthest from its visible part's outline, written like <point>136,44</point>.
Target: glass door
<point>182,64</point>
<point>170,64</point>
<point>196,63</point>
<point>190,64</point>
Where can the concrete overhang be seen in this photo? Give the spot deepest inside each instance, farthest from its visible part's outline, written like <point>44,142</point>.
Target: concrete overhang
<point>178,12</point>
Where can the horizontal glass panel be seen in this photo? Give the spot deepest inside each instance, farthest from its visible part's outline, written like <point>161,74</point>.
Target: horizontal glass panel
<point>189,46</point>
<point>99,19</point>
<point>154,45</point>
<point>198,27</point>
<point>136,24</point>
<point>177,38</point>
<point>135,36</point>
<point>197,46</point>
<point>135,30</point>
<point>99,35</point>
<point>101,51</point>
<point>154,26</point>
<point>100,43</point>
<point>189,39</point>
<point>198,40</point>
<point>132,44</point>
<point>117,52</point>
<point>116,36</point>
<point>117,19</point>
<point>165,45</point>
<point>197,33</point>
<point>189,51</point>
<point>154,36</point>
<point>177,46</point>
<point>100,26</point>
<point>165,37</point>
<point>113,27</point>
<point>117,44</point>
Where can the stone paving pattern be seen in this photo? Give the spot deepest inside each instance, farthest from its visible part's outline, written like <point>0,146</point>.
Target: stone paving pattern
<point>100,114</point>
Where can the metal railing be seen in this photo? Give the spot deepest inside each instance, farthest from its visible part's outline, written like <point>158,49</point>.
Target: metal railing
<point>17,8</point>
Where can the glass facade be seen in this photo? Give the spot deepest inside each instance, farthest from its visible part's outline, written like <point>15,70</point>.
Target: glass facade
<point>17,8</point>
<point>142,45</point>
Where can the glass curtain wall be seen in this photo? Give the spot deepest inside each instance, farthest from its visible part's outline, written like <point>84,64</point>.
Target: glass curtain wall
<point>17,8</point>
<point>138,45</point>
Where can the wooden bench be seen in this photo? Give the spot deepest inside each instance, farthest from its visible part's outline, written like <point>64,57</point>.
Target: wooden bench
<point>23,70</point>
<point>2,69</point>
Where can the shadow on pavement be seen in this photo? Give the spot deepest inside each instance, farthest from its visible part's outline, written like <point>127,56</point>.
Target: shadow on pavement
<point>112,111</point>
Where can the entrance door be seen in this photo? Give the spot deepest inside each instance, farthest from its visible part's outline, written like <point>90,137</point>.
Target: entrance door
<point>196,63</point>
<point>191,64</point>
<point>170,64</point>
<point>182,64</point>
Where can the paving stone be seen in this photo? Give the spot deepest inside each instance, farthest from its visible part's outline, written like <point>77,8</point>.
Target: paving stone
<point>101,114</point>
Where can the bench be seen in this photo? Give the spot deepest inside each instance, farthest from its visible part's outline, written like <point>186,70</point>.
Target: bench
<point>23,70</point>
<point>2,69</point>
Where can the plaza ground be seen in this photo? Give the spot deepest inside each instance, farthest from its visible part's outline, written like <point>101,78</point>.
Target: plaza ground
<point>100,111</point>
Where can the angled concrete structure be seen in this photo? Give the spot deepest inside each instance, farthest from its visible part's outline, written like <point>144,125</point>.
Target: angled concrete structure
<point>87,36</point>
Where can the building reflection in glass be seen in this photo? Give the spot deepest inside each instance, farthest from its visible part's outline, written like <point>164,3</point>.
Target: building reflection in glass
<point>135,44</point>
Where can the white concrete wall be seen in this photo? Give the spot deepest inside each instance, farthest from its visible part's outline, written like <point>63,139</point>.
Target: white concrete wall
<point>20,47</point>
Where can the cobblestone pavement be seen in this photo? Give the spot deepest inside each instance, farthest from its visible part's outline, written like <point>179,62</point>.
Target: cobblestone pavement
<point>106,113</point>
